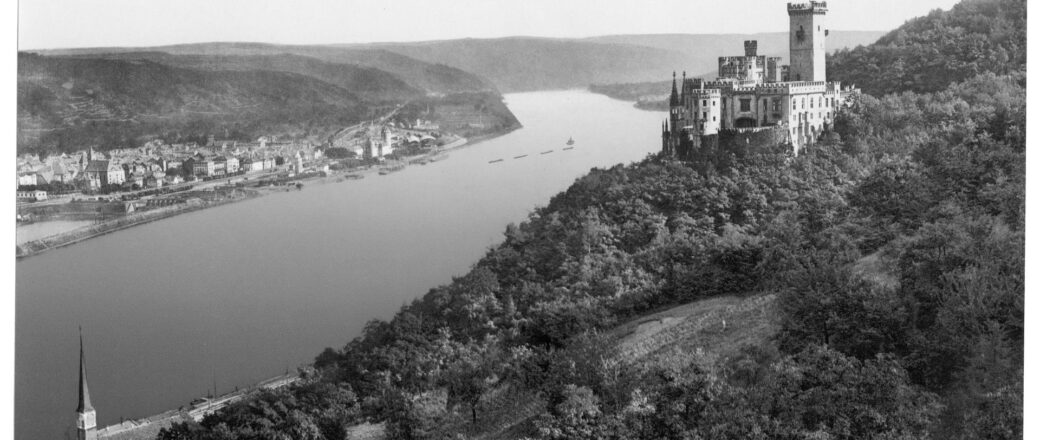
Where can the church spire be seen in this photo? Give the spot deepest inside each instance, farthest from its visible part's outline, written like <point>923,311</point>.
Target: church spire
<point>675,92</point>
<point>86,417</point>
<point>84,393</point>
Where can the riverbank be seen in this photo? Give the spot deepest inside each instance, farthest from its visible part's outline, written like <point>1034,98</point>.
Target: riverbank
<point>148,428</point>
<point>35,247</point>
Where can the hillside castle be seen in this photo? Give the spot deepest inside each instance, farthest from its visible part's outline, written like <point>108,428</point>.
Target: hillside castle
<point>756,100</point>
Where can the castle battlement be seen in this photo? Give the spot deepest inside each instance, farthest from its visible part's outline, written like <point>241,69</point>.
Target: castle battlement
<point>807,8</point>
<point>704,92</point>
<point>757,100</point>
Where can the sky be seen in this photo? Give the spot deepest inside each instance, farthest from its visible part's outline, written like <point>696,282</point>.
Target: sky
<point>49,24</point>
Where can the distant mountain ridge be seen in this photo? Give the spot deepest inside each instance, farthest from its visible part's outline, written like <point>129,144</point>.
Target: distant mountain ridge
<point>515,64</point>
<point>369,83</point>
<point>429,77</point>
<point>530,63</point>
<point>68,103</point>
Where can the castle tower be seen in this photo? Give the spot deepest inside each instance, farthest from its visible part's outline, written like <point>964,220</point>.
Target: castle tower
<point>808,38</point>
<point>751,48</point>
<point>86,418</point>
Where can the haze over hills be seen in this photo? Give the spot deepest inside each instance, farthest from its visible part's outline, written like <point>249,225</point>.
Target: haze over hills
<point>426,76</point>
<point>350,81</point>
<point>707,48</point>
<point>527,63</point>
<point>68,103</point>
<point>369,83</point>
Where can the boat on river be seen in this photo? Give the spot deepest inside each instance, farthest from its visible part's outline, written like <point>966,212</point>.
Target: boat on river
<point>390,169</point>
<point>547,152</point>
<point>495,161</point>
<point>520,156</point>
<point>570,141</point>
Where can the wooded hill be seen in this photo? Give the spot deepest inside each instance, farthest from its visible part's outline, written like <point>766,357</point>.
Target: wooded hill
<point>124,98</point>
<point>929,53</point>
<point>874,287</point>
<point>67,104</point>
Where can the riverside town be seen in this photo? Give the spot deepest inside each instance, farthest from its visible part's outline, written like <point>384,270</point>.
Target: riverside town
<point>419,220</point>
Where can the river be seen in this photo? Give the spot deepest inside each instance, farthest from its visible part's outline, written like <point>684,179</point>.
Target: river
<point>239,293</point>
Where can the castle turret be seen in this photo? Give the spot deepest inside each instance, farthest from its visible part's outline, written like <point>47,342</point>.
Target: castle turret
<point>86,418</point>
<point>808,41</point>
<point>751,48</point>
<point>674,101</point>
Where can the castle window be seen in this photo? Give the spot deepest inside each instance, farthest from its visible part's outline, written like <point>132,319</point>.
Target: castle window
<point>811,103</point>
<point>714,118</point>
<point>745,105</point>
<point>704,103</point>
<point>704,115</point>
<point>713,102</point>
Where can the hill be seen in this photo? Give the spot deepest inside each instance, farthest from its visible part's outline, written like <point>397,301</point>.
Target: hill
<point>66,104</point>
<point>702,58</point>
<point>706,48</point>
<point>524,63</point>
<point>431,78</point>
<point>369,83</point>
<point>929,53</point>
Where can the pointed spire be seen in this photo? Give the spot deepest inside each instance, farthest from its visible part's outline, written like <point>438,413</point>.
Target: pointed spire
<point>84,393</point>
<point>675,92</point>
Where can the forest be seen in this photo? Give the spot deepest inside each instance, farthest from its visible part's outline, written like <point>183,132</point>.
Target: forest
<point>891,255</point>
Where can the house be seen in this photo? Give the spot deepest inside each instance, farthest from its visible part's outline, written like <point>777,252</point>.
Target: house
<point>173,179</point>
<point>32,196</point>
<point>154,179</point>
<point>232,165</point>
<point>27,178</point>
<point>100,173</point>
<point>202,166</point>
<point>219,166</point>
<point>136,178</point>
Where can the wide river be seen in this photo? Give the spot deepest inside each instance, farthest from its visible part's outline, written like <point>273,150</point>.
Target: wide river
<point>239,293</point>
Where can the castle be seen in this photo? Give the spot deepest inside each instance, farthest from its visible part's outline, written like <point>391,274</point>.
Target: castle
<point>757,98</point>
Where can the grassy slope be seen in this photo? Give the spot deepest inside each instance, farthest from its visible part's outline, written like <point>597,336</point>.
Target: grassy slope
<point>701,331</point>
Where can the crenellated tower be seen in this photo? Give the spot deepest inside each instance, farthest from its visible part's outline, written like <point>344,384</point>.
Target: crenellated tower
<point>808,41</point>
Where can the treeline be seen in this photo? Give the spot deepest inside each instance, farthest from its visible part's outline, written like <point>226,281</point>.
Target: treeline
<point>895,249</point>
<point>929,53</point>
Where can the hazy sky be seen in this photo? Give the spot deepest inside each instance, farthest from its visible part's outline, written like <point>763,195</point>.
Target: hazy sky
<point>85,23</point>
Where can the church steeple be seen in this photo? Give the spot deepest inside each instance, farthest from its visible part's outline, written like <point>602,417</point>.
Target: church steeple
<point>86,423</point>
<point>675,92</point>
<point>84,393</point>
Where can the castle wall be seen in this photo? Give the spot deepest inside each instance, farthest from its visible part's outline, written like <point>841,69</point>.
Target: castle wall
<point>755,91</point>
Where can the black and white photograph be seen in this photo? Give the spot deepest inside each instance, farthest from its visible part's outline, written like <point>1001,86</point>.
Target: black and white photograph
<point>517,220</point>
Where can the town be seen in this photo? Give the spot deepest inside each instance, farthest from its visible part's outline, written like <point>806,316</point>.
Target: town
<point>160,179</point>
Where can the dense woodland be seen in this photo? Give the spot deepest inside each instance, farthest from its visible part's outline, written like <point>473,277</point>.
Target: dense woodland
<point>928,53</point>
<point>894,248</point>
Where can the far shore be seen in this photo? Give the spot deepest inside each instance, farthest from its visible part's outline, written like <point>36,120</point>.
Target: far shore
<point>83,233</point>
